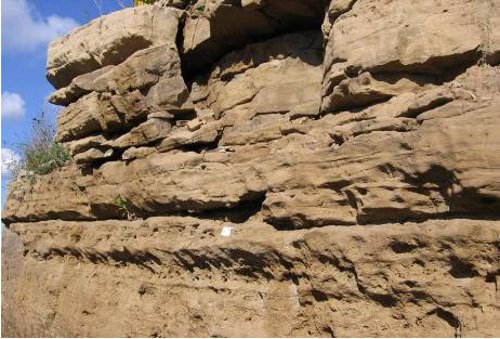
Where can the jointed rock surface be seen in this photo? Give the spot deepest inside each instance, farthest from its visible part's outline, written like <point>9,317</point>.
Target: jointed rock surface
<point>351,146</point>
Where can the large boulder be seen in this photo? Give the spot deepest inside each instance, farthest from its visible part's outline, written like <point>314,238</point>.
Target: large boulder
<point>109,40</point>
<point>415,42</point>
<point>99,113</point>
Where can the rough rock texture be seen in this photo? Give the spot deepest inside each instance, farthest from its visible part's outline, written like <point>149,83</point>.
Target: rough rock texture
<point>358,167</point>
<point>409,42</point>
<point>213,28</point>
<point>109,40</point>
<point>175,276</point>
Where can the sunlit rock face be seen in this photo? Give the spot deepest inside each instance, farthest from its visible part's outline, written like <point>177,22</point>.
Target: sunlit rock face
<point>348,149</point>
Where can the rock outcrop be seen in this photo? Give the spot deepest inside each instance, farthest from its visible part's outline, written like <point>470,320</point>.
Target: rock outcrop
<point>350,148</point>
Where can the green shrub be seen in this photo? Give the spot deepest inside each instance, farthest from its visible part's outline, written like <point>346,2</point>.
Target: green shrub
<point>124,208</point>
<point>40,154</point>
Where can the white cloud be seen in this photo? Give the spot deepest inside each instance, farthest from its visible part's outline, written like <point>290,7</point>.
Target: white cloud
<point>12,105</point>
<point>23,29</point>
<point>9,159</point>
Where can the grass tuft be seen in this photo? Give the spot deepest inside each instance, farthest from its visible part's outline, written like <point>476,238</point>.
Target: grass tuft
<point>40,154</point>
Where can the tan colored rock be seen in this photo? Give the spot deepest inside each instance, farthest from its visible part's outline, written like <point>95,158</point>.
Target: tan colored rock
<point>161,115</point>
<point>492,43</point>
<point>335,9</point>
<point>198,91</point>
<point>91,155</point>
<point>194,125</point>
<point>137,152</point>
<point>82,145</point>
<point>434,168</point>
<point>260,129</point>
<point>403,42</point>
<point>146,133</point>
<point>159,65</point>
<point>168,92</point>
<point>109,40</point>
<point>303,208</point>
<point>181,4</point>
<point>269,82</point>
<point>364,89</point>
<point>182,137</point>
<point>141,70</point>
<point>79,86</point>
<point>181,278</point>
<point>305,185</point>
<point>99,112</point>
<point>251,4</point>
<point>214,28</point>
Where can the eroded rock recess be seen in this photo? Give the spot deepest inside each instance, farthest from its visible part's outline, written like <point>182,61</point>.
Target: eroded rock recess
<point>353,147</point>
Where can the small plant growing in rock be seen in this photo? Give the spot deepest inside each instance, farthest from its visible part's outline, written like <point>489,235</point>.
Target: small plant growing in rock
<point>123,207</point>
<point>40,154</point>
<point>143,2</point>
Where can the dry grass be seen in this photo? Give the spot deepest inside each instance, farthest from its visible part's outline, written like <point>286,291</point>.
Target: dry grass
<point>40,154</point>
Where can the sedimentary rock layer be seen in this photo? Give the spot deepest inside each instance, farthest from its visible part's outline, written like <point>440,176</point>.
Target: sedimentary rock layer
<point>413,157</point>
<point>355,161</point>
<point>109,40</point>
<point>175,276</point>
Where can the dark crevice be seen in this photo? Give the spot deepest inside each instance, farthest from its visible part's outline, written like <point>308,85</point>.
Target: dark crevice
<point>438,102</point>
<point>462,269</point>
<point>97,163</point>
<point>328,331</point>
<point>292,277</point>
<point>239,213</point>
<point>248,206</point>
<point>447,316</point>
<point>355,102</point>
<point>337,140</point>
<point>393,215</point>
<point>336,186</point>
<point>121,258</point>
<point>241,262</point>
<point>185,115</point>
<point>443,69</point>
<point>319,296</point>
<point>385,300</point>
<point>491,277</point>
<point>234,214</point>
<point>253,26</point>
<point>201,147</point>
<point>400,246</point>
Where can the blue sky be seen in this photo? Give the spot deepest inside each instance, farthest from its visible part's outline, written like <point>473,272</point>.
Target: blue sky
<point>27,28</point>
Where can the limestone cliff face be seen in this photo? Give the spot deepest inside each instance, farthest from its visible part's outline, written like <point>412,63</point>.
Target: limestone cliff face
<point>352,147</point>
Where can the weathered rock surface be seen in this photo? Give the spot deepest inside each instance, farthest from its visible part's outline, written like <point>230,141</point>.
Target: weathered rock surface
<point>175,276</point>
<point>411,158</point>
<point>109,40</point>
<point>357,166</point>
<point>213,28</point>
<point>403,40</point>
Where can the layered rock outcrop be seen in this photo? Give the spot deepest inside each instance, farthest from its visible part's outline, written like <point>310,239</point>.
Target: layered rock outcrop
<point>351,147</point>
